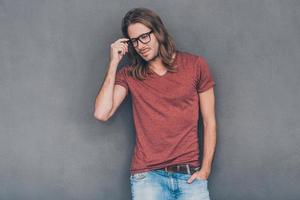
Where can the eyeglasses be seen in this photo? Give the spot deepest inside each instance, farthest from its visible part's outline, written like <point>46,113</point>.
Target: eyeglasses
<point>144,38</point>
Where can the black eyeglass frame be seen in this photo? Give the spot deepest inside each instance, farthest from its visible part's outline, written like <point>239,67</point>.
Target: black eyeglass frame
<point>139,39</point>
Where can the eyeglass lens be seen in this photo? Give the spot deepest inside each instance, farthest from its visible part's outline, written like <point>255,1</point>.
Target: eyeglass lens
<point>145,38</point>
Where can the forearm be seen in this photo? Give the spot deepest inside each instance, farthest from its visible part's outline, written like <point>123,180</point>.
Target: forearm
<point>210,138</point>
<point>104,99</point>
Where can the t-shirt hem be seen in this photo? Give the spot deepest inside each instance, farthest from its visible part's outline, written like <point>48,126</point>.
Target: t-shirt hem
<point>193,163</point>
<point>122,84</point>
<point>209,85</point>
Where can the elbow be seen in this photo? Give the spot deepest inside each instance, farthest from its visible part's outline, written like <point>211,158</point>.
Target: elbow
<point>102,115</point>
<point>99,117</point>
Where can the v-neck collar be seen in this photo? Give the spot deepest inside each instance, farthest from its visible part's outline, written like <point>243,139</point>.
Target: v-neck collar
<point>166,73</point>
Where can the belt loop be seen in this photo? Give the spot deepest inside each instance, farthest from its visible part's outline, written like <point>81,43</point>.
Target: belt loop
<point>166,169</point>
<point>188,168</point>
<point>178,167</point>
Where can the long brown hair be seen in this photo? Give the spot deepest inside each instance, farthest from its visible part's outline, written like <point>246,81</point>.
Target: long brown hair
<point>167,45</point>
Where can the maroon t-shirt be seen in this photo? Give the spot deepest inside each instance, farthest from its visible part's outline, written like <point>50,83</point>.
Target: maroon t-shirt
<point>166,112</point>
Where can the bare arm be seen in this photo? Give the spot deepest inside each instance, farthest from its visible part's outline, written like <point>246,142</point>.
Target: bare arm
<point>207,106</point>
<point>110,95</point>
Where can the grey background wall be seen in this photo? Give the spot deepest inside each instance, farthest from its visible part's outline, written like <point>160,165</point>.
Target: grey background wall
<point>54,56</point>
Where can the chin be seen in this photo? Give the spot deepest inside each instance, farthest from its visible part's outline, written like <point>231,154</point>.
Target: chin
<point>148,57</point>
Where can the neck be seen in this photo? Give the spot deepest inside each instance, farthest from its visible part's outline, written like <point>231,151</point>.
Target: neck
<point>156,63</point>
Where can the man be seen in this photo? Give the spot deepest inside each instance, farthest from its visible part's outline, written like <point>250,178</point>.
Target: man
<point>167,87</point>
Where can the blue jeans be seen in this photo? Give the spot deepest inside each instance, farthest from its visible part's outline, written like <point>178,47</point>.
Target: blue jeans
<point>162,185</point>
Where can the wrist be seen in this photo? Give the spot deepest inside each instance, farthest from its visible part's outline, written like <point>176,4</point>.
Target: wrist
<point>206,168</point>
<point>113,63</point>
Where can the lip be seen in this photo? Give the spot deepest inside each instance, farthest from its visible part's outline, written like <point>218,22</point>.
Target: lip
<point>144,52</point>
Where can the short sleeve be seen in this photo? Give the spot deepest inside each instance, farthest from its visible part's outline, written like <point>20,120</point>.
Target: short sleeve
<point>121,78</point>
<point>204,78</point>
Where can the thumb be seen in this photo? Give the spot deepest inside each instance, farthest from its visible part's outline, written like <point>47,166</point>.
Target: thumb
<point>191,179</point>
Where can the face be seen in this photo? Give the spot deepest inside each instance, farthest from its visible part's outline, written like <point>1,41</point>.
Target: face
<point>147,51</point>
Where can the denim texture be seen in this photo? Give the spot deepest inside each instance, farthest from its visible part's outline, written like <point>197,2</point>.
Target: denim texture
<point>162,185</point>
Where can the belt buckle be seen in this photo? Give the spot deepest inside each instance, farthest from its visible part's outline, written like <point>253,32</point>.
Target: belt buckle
<point>166,168</point>
<point>178,167</point>
<point>187,167</point>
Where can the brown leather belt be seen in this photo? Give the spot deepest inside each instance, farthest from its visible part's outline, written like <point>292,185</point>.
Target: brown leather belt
<point>183,168</point>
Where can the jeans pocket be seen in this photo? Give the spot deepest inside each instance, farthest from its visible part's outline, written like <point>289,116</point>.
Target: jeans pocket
<point>188,176</point>
<point>198,179</point>
<point>138,176</point>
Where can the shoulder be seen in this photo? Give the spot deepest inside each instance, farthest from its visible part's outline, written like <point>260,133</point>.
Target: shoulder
<point>192,61</point>
<point>125,69</point>
<point>189,58</point>
<point>193,57</point>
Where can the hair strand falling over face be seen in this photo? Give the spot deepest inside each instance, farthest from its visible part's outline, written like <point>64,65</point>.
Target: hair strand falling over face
<point>167,45</point>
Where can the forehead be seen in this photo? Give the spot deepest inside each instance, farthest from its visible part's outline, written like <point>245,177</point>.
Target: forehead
<point>136,29</point>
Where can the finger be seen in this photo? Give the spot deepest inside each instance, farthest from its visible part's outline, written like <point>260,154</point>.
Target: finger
<point>123,50</point>
<point>190,180</point>
<point>124,45</point>
<point>123,40</point>
<point>120,49</point>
